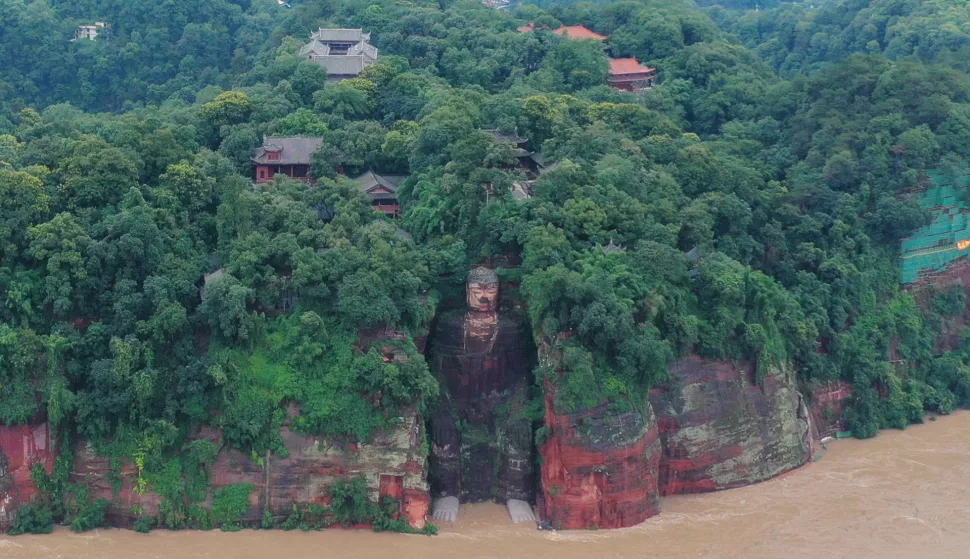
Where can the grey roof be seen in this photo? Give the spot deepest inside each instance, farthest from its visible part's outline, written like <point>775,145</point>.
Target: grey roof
<point>358,56</point>
<point>343,65</point>
<point>364,49</point>
<point>315,48</point>
<point>371,180</point>
<point>297,150</point>
<point>340,35</point>
<point>613,249</point>
<point>512,139</point>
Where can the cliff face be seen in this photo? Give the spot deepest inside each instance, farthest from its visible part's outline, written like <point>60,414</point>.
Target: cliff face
<point>393,465</point>
<point>599,468</point>
<point>714,429</point>
<point>21,447</point>
<point>827,406</point>
<point>721,430</point>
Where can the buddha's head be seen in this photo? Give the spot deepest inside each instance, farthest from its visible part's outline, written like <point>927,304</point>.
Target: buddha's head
<point>482,290</point>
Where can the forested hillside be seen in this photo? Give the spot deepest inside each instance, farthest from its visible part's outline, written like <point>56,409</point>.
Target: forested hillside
<point>748,208</point>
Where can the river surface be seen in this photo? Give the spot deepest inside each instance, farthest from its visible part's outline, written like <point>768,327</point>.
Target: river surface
<point>903,494</point>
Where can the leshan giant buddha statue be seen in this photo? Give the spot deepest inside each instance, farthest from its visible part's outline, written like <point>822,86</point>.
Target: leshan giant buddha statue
<point>481,440</point>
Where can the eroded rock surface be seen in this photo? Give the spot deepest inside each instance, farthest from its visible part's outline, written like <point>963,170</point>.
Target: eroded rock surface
<point>827,405</point>
<point>22,447</point>
<point>600,467</point>
<point>720,429</point>
<point>393,465</point>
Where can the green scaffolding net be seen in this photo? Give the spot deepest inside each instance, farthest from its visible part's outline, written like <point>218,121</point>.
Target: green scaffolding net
<point>935,247</point>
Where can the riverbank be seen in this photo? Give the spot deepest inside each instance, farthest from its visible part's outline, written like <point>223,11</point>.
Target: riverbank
<point>900,495</point>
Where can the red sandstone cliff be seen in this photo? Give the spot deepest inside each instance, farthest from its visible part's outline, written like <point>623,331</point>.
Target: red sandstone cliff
<point>21,447</point>
<point>827,405</point>
<point>393,465</point>
<point>720,429</point>
<point>599,468</point>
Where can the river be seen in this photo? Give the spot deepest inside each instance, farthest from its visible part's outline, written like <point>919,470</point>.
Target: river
<point>904,494</point>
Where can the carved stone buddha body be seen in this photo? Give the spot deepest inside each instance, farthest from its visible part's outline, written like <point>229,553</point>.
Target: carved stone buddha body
<point>482,444</point>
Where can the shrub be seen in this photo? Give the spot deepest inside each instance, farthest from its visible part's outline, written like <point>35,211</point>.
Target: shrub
<point>144,525</point>
<point>33,519</point>
<point>200,518</point>
<point>350,502</point>
<point>229,504</point>
<point>90,516</point>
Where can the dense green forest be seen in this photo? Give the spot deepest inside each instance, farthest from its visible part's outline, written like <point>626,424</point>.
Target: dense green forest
<point>755,195</point>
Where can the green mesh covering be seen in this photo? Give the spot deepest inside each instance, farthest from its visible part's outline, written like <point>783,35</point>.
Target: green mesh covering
<point>934,247</point>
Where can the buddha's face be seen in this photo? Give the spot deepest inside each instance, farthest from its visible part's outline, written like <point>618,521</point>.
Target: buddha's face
<point>482,296</point>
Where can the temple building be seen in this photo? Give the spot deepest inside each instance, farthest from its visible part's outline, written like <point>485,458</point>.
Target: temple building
<point>578,32</point>
<point>568,31</point>
<point>343,52</point>
<point>90,32</point>
<point>382,191</point>
<point>628,74</point>
<point>285,155</point>
<point>515,143</point>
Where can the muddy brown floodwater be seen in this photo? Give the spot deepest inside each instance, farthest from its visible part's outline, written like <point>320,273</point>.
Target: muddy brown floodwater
<point>903,494</point>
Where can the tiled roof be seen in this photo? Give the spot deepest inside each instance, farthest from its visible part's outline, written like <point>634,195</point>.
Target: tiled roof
<point>358,56</point>
<point>340,35</point>
<point>512,139</point>
<point>315,48</point>
<point>371,180</point>
<point>621,66</point>
<point>296,150</point>
<point>343,64</point>
<point>579,32</point>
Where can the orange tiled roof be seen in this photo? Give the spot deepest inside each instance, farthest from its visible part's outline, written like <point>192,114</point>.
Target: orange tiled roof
<point>620,66</point>
<point>527,27</point>
<point>579,32</point>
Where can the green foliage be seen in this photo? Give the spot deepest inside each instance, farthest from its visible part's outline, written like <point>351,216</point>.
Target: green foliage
<point>144,525</point>
<point>229,504</point>
<point>32,518</point>
<point>350,502</point>
<point>200,518</point>
<point>748,208</point>
<point>89,516</point>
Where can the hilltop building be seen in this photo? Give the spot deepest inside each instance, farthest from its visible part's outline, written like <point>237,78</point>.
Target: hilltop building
<point>382,191</point>
<point>578,32</point>
<point>90,32</point>
<point>285,155</point>
<point>629,75</point>
<point>343,52</point>
<point>568,31</point>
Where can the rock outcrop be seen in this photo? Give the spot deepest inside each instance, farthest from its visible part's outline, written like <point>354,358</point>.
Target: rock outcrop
<point>21,448</point>
<point>393,465</point>
<point>720,429</point>
<point>715,428</point>
<point>600,467</point>
<point>827,404</point>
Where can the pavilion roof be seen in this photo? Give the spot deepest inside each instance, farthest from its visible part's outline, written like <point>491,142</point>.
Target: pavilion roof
<point>579,32</point>
<point>622,66</point>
